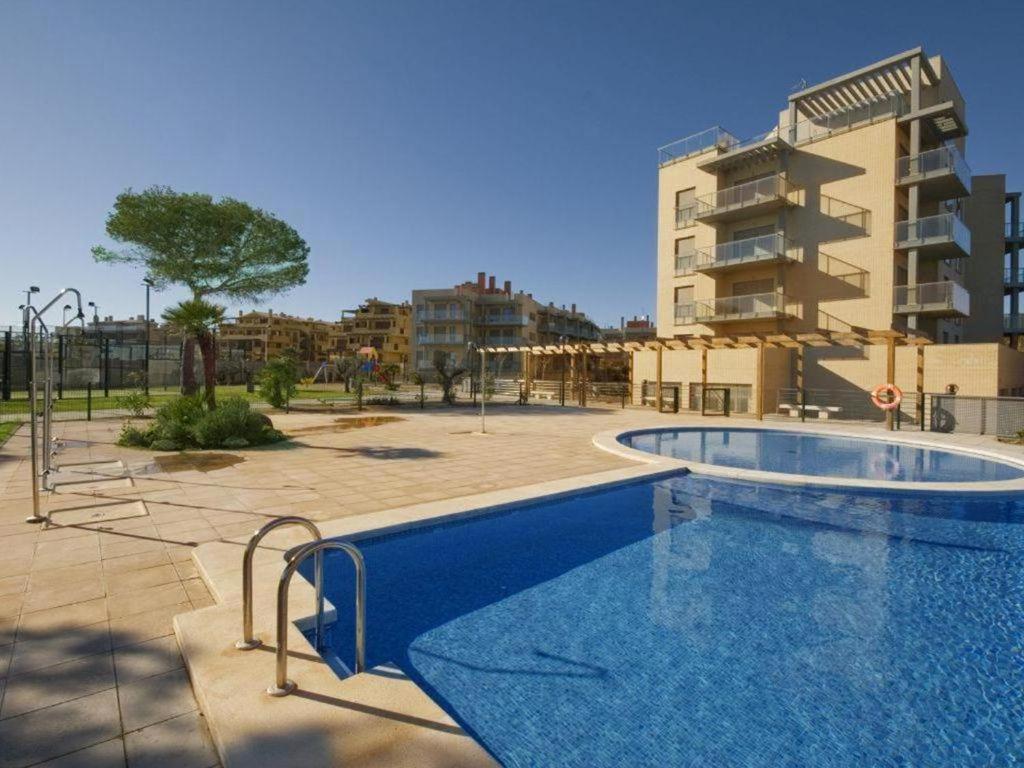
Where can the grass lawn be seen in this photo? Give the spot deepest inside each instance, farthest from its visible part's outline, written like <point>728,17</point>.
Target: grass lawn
<point>8,428</point>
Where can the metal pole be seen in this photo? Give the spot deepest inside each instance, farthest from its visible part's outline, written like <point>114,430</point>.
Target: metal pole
<point>60,365</point>
<point>106,367</point>
<point>8,364</point>
<point>146,384</point>
<point>36,517</point>
<point>483,391</point>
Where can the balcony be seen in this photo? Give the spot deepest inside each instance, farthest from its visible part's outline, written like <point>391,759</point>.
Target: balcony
<point>945,299</point>
<point>764,147</point>
<point>439,315</point>
<point>1013,323</point>
<point>943,237</point>
<point>711,138</point>
<point>745,200</point>
<point>686,314</point>
<point>685,263</point>
<point>505,341</point>
<point>1014,233</point>
<point>757,306</point>
<point>439,338</point>
<point>941,174</point>
<point>686,216</point>
<point>766,249</point>
<point>1013,277</point>
<point>504,319</point>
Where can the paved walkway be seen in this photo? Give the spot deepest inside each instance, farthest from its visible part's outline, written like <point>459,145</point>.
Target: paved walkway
<point>90,673</point>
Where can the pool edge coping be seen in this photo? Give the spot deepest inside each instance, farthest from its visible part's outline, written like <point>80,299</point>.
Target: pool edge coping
<point>609,440</point>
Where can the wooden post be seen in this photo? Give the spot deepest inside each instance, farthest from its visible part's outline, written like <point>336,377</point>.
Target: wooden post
<point>657,381</point>
<point>583,382</point>
<point>629,375</point>
<point>760,381</point>
<point>890,377</point>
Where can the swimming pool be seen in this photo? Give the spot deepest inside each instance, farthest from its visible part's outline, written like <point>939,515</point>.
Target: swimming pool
<point>805,453</point>
<point>694,621</point>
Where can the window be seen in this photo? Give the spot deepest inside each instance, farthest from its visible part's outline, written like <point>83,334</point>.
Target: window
<point>746,234</point>
<point>684,309</point>
<point>751,287</point>
<point>686,207</point>
<point>685,251</point>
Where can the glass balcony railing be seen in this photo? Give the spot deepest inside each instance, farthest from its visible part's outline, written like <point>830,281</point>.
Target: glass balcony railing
<point>711,138</point>
<point>935,163</point>
<point>685,263</point>
<point>439,314</point>
<point>758,306</point>
<point>504,319</point>
<point>686,216</point>
<point>1013,323</point>
<point>1012,232</point>
<point>1011,277</point>
<point>751,250</point>
<point>743,196</point>
<point>944,234</point>
<point>943,298</point>
<point>867,112</point>
<point>686,314</point>
<point>442,338</point>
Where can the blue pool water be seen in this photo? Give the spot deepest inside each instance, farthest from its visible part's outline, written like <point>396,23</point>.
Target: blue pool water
<point>800,453</point>
<point>699,622</point>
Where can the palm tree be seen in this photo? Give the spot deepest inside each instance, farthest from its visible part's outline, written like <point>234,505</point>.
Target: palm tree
<point>197,319</point>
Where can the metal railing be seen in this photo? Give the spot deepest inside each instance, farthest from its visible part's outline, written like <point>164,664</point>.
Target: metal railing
<point>439,314</point>
<point>249,641</point>
<point>448,338</point>
<point>504,319</point>
<point>747,251</point>
<point>686,216</point>
<point>710,138</point>
<point>743,195</point>
<point>865,113</point>
<point>1017,232</point>
<point>945,227</point>
<point>282,685</point>
<point>685,314</point>
<point>685,262</point>
<point>1011,276</point>
<point>932,296</point>
<point>750,307</point>
<point>1013,323</point>
<point>943,160</point>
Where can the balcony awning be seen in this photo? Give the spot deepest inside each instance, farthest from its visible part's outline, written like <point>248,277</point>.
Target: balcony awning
<point>871,83</point>
<point>764,148</point>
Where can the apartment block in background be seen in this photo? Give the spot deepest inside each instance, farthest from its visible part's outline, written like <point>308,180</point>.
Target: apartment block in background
<point>379,325</point>
<point>1013,274</point>
<point>445,320</point>
<point>262,336</point>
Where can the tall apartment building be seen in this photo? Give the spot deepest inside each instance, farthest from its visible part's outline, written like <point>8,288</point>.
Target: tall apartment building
<point>380,325</point>
<point>261,336</point>
<point>1013,275</point>
<point>446,319</point>
<point>856,210</point>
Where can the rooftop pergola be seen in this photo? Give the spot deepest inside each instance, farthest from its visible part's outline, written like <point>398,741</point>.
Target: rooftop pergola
<point>759,341</point>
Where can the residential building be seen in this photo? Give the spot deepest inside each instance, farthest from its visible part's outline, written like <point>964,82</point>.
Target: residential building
<point>379,325</point>
<point>855,211</point>
<point>1013,273</point>
<point>262,336</point>
<point>639,329</point>
<point>445,320</point>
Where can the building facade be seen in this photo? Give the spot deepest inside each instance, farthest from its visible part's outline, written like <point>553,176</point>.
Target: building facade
<point>262,336</point>
<point>379,325</point>
<point>446,320</point>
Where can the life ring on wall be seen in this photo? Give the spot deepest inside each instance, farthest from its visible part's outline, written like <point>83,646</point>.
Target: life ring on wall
<point>895,397</point>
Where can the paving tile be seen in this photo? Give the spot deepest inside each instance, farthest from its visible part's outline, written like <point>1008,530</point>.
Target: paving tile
<point>142,600</point>
<point>36,651</point>
<point>118,583</point>
<point>59,730</point>
<point>136,562</point>
<point>182,741</point>
<point>139,627</point>
<point>153,657</point>
<point>64,618</point>
<point>57,684</point>
<point>64,594</point>
<point>12,585</point>
<point>156,698</point>
<point>109,754</point>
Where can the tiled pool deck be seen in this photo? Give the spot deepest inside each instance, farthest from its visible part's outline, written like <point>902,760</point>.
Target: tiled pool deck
<point>90,672</point>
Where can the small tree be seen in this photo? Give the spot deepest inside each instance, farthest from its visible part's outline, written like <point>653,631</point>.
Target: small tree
<point>449,375</point>
<point>277,381</point>
<point>197,319</point>
<point>347,369</point>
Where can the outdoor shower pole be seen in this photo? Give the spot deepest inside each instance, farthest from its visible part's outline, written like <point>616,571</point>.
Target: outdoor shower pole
<point>483,389</point>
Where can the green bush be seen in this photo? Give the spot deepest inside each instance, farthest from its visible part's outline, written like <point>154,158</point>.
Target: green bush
<point>235,442</point>
<point>231,419</point>
<point>136,403</point>
<point>277,381</point>
<point>165,445</point>
<point>133,437</point>
<point>176,420</point>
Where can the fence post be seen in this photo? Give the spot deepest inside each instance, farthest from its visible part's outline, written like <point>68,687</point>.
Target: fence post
<point>8,370</point>
<point>88,401</point>
<point>921,406</point>
<point>60,367</point>
<point>106,367</point>
<point>803,409</point>
<point>423,394</point>
<point>359,395</point>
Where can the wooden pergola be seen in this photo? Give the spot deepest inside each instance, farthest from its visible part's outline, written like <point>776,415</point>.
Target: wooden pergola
<point>759,341</point>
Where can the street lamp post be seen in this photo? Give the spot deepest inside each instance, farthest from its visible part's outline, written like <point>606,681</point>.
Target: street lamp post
<point>28,303</point>
<point>470,346</point>
<point>561,342</point>
<point>149,284</point>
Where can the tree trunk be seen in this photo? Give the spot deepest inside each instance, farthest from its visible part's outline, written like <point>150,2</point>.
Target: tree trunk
<point>208,349</point>
<point>188,367</point>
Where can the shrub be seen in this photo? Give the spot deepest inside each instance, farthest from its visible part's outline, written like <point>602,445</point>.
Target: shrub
<point>164,445</point>
<point>136,403</point>
<point>235,442</point>
<point>231,419</point>
<point>271,435</point>
<point>133,437</point>
<point>176,419</point>
<point>277,381</point>
<point>382,401</point>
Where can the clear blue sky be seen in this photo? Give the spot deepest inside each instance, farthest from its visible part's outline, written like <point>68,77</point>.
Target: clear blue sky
<point>415,143</point>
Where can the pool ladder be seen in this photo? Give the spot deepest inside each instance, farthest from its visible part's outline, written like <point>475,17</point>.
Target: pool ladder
<point>295,557</point>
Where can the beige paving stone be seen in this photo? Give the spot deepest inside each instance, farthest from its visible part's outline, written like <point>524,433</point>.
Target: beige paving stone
<point>66,594</point>
<point>156,698</point>
<point>136,562</point>
<point>59,730</point>
<point>182,742</point>
<point>63,619</point>
<point>141,660</point>
<point>129,581</point>
<point>139,627</point>
<point>36,650</point>
<point>56,684</point>
<point>13,585</point>
<point>142,600</point>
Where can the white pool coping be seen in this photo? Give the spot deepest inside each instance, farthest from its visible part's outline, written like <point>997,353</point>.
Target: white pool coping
<point>610,440</point>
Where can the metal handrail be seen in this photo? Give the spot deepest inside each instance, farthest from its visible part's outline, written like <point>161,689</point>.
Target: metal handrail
<point>282,685</point>
<point>248,642</point>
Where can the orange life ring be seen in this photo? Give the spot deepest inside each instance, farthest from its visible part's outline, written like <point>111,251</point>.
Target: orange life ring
<point>895,397</point>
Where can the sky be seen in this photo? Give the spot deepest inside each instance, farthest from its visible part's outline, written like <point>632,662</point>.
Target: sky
<point>413,144</point>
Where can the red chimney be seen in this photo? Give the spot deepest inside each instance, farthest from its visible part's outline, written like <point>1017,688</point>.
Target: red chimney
<point>490,283</point>
<point>574,309</point>
<point>481,281</point>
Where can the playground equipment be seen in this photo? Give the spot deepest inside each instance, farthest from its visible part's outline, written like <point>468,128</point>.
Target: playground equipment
<point>32,319</point>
